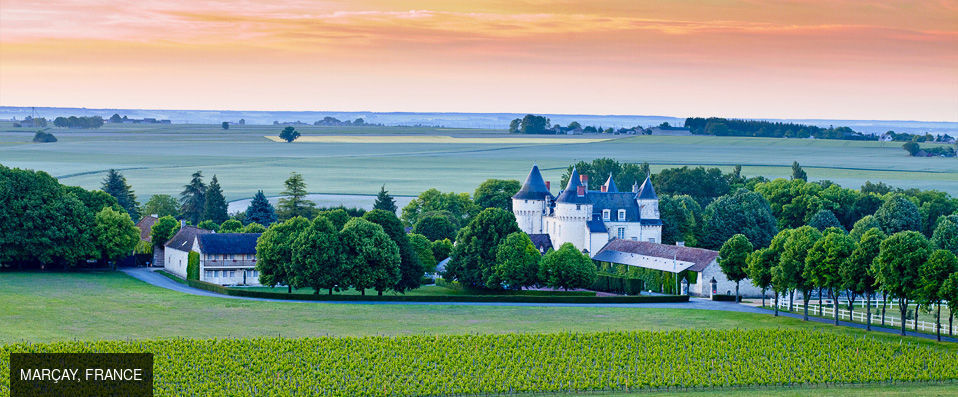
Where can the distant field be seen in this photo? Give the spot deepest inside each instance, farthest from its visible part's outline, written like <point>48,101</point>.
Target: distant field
<point>430,139</point>
<point>160,159</point>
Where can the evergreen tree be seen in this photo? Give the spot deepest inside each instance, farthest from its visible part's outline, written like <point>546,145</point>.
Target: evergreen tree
<point>260,210</point>
<point>115,185</point>
<point>193,199</point>
<point>410,269</point>
<point>384,201</point>
<point>294,202</point>
<point>798,172</point>
<point>215,204</point>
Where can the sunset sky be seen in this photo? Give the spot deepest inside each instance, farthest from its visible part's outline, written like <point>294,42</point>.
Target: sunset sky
<point>785,59</point>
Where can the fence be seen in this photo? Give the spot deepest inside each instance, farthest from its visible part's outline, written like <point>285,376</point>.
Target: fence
<point>892,315</point>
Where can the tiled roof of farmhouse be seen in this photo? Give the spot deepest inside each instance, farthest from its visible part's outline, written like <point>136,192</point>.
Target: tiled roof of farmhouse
<point>618,251</point>
<point>145,225</point>
<point>534,187</point>
<point>228,243</point>
<point>183,239</point>
<point>571,193</point>
<point>542,242</point>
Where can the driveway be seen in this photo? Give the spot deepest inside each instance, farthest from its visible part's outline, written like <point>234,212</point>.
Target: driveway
<point>152,277</point>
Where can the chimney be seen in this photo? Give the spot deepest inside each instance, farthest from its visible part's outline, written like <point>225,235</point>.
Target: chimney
<point>548,186</point>
<point>605,188</point>
<point>584,179</point>
<point>581,190</point>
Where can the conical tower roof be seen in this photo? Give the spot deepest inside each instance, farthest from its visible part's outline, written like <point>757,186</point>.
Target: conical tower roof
<point>610,185</point>
<point>646,192</point>
<point>534,187</point>
<point>571,192</point>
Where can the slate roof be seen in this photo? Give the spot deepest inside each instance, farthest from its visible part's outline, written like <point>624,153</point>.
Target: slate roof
<point>610,185</point>
<point>183,239</point>
<point>628,252</point>
<point>534,187</point>
<point>646,192</point>
<point>542,242</point>
<point>597,226</point>
<point>145,225</point>
<point>571,193</point>
<point>228,243</point>
<point>614,202</point>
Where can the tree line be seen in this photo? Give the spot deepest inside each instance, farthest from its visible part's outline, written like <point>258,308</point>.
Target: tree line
<point>78,122</point>
<point>46,224</point>
<point>767,129</point>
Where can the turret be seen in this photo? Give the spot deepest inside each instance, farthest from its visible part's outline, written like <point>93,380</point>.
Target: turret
<point>609,185</point>
<point>647,200</point>
<point>532,202</point>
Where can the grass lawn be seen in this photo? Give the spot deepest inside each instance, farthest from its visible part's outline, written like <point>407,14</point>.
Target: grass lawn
<point>44,307</point>
<point>426,290</point>
<point>160,159</point>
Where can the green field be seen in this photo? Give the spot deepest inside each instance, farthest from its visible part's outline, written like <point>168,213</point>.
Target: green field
<point>160,159</point>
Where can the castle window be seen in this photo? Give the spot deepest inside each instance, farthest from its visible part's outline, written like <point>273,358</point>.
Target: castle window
<point>606,215</point>
<point>621,215</point>
<point>621,232</point>
<point>578,207</point>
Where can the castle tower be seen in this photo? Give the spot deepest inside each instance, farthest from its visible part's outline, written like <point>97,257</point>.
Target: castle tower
<point>609,185</point>
<point>573,210</point>
<point>648,203</point>
<point>532,202</point>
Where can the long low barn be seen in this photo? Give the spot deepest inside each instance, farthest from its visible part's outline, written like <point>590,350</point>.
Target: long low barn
<point>676,259</point>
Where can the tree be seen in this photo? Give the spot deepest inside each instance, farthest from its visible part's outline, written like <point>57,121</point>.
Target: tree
<point>318,258</point>
<point>115,234</point>
<point>115,118</point>
<point>436,226</point>
<point>193,199</point>
<point>897,214</point>
<point>44,137</point>
<point>254,228</point>
<point>384,201</point>
<point>458,205</point>
<point>743,212</point>
<point>949,292</point>
<point>858,275</point>
<point>759,269</point>
<point>225,125</point>
<point>798,172</point>
<point>214,207</point>
<point>115,185</point>
<point>773,257</point>
<point>410,269</point>
<point>474,255</point>
<point>946,235</point>
<point>289,134</point>
<point>680,217</point>
<point>823,264</point>
<point>372,257</point>
<point>164,229</point>
<point>274,252</point>
<point>933,273</point>
<point>566,268</point>
<point>161,205</point>
<point>897,264</point>
<point>732,258</point>
<point>825,219</point>
<point>230,226</point>
<point>703,184</point>
<point>338,217</point>
<point>863,225</point>
<point>796,249</point>
<point>441,249</point>
<point>911,147</point>
<point>517,263</point>
<point>496,193</point>
<point>260,210</point>
<point>208,225</point>
<point>423,249</point>
<point>294,202</point>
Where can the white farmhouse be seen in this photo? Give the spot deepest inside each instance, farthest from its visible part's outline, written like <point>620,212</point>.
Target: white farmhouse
<point>225,258</point>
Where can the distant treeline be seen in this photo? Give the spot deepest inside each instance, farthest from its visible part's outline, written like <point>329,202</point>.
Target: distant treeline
<point>532,124</point>
<point>733,127</point>
<point>78,122</point>
<point>915,150</point>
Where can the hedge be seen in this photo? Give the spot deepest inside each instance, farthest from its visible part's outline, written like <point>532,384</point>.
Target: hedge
<point>723,298</point>
<point>618,285</point>
<point>432,298</point>
<point>471,291</point>
<point>193,266</point>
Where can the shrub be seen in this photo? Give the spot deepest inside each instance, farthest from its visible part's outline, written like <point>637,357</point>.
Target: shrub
<point>193,266</point>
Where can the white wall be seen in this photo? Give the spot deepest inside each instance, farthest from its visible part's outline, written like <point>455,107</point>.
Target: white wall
<point>703,285</point>
<point>223,277</point>
<point>175,261</point>
<point>529,215</point>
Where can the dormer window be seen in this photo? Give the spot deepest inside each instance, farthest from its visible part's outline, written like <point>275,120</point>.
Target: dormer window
<point>606,215</point>
<point>621,215</point>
